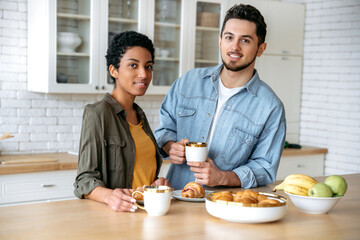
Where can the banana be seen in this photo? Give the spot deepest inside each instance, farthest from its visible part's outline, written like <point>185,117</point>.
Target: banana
<point>295,189</point>
<point>297,183</point>
<point>302,182</point>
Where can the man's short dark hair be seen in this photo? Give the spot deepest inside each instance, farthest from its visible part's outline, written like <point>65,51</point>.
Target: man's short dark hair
<point>249,13</point>
<point>124,41</point>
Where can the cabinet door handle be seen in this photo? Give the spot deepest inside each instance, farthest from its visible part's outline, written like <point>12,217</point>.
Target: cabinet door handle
<point>300,165</point>
<point>47,185</point>
<point>103,87</point>
<point>285,52</point>
<point>97,87</point>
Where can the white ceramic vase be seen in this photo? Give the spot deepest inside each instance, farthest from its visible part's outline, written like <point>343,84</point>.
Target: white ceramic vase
<point>68,41</point>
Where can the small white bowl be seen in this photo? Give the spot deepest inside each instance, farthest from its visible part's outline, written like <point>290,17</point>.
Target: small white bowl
<point>313,205</point>
<point>246,213</point>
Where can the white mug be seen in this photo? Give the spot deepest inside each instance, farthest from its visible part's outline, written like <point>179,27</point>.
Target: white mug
<point>195,151</point>
<point>156,200</point>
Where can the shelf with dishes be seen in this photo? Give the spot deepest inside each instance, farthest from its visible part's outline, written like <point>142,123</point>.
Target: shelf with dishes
<point>164,24</point>
<point>122,20</point>
<point>73,16</point>
<point>170,59</point>
<point>206,61</point>
<point>207,34</point>
<point>209,29</point>
<point>73,54</point>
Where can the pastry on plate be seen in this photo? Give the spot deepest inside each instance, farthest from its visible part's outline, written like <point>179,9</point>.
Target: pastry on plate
<point>193,190</point>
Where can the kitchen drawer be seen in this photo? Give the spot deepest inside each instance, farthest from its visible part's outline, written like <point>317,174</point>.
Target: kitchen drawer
<point>312,165</point>
<point>39,186</point>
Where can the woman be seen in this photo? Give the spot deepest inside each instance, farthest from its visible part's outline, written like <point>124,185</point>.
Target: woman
<point>117,149</point>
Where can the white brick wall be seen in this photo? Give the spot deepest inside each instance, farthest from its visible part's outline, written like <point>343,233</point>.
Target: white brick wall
<point>330,107</point>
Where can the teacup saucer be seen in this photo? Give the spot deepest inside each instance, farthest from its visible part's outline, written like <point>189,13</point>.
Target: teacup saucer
<point>177,195</point>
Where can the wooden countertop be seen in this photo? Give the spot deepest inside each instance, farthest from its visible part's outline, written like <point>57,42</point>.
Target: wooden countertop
<point>69,161</point>
<point>65,161</point>
<point>86,219</point>
<point>305,150</point>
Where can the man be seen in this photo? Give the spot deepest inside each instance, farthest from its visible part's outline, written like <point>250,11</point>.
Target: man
<point>229,107</point>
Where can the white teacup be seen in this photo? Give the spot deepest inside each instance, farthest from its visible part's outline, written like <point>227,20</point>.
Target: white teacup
<point>156,200</point>
<point>195,151</point>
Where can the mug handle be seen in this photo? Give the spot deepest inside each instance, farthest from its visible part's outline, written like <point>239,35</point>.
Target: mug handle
<point>136,204</point>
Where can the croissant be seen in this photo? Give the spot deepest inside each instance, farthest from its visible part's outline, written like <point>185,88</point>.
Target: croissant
<point>261,197</point>
<point>270,201</point>
<point>252,193</point>
<point>224,196</point>
<point>193,190</point>
<point>248,199</point>
<point>238,196</point>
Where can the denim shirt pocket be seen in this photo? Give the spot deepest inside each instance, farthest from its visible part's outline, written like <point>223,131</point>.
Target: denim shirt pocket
<point>239,146</point>
<point>186,118</point>
<point>114,153</point>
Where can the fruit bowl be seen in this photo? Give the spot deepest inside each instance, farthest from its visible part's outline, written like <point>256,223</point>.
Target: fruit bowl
<point>246,213</point>
<point>313,205</point>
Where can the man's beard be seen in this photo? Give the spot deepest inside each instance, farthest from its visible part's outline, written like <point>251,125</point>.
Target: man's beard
<point>235,68</point>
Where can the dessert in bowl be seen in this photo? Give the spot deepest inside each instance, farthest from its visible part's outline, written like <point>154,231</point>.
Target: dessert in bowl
<point>267,208</point>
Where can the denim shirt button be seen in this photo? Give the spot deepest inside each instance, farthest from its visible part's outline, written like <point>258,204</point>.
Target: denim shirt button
<point>247,141</point>
<point>209,114</point>
<point>202,138</point>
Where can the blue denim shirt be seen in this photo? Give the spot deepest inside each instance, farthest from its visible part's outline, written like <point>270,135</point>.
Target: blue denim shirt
<point>249,135</point>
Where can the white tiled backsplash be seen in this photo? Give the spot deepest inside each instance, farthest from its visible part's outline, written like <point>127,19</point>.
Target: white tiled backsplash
<point>330,106</point>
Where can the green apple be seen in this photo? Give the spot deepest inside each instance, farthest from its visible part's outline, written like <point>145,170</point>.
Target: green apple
<point>337,184</point>
<point>320,190</point>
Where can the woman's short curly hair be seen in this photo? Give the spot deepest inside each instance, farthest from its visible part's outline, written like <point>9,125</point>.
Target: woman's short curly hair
<point>124,41</point>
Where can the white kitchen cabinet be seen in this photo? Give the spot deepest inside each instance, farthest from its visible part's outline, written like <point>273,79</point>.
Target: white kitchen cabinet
<point>35,187</point>
<point>203,22</point>
<point>50,70</point>
<point>285,25</point>
<point>283,74</point>
<point>171,24</point>
<point>163,24</point>
<point>312,165</point>
<point>185,34</point>
<point>54,69</point>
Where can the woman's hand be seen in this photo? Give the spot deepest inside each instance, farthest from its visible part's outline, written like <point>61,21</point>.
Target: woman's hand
<point>120,200</point>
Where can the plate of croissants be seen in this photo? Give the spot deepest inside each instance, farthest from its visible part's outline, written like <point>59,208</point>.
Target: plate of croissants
<point>246,206</point>
<point>192,192</point>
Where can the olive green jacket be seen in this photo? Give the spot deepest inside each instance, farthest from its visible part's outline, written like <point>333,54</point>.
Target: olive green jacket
<point>107,149</point>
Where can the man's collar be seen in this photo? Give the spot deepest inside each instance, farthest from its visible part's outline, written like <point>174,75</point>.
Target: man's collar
<point>254,83</point>
<point>252,86</point>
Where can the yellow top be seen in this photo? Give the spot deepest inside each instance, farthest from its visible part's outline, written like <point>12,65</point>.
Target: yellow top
<point>145,157</point>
